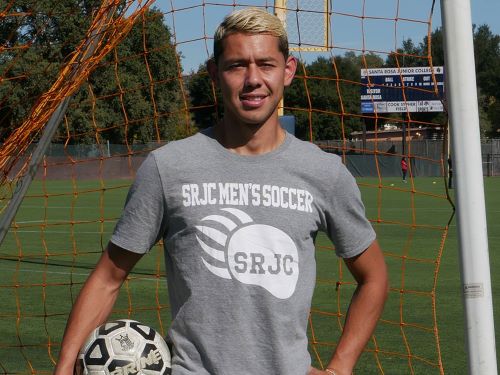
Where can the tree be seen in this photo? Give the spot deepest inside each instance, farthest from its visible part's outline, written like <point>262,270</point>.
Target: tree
<point>137,89</point>
<point>437,48</point>
<point>487,60</point>
<point>325,97</point>
<point>494,116</point>
<point>136,92</point>
<point>205,98</point>
<point>408,55</point>
<point>484,121</point>
<point>34,48</point>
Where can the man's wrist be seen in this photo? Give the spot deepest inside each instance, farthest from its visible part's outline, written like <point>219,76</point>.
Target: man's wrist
<point>331,371</point>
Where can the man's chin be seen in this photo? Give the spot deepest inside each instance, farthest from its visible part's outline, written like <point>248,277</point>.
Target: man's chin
<point>256,121</point>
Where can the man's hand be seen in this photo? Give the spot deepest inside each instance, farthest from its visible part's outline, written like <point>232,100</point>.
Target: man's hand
<point>315,371</point>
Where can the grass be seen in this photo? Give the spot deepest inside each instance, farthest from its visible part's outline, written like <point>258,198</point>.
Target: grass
<point>61,229</point>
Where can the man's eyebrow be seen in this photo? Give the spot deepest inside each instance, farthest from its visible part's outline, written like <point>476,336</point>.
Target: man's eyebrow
<point>263,58</point>
<point>236,60</point>
<point>267,58</point>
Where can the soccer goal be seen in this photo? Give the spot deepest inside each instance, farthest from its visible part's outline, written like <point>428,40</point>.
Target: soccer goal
<point>88,89</point>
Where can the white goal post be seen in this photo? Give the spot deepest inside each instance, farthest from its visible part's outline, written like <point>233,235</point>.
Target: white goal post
<point>468,174</point>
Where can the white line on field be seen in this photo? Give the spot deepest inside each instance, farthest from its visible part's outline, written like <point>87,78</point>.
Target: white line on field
<point>47,221</point>
<point>48,272</point>
<point>68,273</point>
<point>51,207</point>
<point>61,232</point>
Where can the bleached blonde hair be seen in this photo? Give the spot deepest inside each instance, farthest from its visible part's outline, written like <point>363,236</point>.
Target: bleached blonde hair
<point>250,21</point>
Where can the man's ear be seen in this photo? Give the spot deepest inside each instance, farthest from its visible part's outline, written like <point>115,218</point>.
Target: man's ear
<point>290,69</point>
<point>212,70</point>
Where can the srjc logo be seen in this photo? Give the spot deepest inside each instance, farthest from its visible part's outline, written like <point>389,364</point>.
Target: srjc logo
<point>254,254</point>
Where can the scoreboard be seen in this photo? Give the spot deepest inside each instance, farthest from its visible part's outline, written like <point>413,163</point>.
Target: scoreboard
<point>393,90</point>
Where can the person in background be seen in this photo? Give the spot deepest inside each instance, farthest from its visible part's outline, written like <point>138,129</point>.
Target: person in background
<point>404,168</point>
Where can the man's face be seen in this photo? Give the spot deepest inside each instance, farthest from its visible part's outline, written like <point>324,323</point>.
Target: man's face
<point>252,73</point>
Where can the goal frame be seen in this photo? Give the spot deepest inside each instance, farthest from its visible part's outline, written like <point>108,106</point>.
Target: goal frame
<point>470,203</point>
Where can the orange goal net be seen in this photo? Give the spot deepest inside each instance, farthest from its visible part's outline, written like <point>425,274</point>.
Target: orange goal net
<point>133,73</point>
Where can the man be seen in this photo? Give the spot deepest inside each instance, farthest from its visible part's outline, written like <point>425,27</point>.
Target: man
<point>238,207</point>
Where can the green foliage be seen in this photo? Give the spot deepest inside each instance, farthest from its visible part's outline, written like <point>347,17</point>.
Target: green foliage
<point>494,116</point>
<point>134,96</point>
<point>34,48</point>
<point>137,94</point>
<point>408,55</point>
<point>487,59</point>
<point>437,47</point>
<point>137,89</point>
<point>325,97</point>
<point>205,98</point>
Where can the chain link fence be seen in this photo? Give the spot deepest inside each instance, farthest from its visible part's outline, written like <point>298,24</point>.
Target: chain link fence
<point>426,155</point>
<point>427,158</point>
<point>490,149</point>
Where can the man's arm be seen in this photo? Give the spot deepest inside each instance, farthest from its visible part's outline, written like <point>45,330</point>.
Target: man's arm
<point>94,303</point>
<point>370,272</point>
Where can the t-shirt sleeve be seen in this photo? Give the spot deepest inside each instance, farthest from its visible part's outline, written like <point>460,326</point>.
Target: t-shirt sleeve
<point>346,223</point>
<point>142,222</point>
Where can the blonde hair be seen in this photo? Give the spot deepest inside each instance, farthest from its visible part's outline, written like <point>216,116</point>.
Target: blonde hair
<point>250,21</point>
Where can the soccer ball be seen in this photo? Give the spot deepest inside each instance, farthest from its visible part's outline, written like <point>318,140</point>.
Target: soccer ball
<point>124,347</point>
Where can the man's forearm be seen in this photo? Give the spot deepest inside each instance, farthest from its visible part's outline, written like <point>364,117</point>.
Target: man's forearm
<point>92,307</point>
<point>370,272</point>
<point>94,303</point>
<point>364,311</point>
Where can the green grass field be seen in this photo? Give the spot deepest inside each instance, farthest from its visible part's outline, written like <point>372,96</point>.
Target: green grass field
<point>60,230</point>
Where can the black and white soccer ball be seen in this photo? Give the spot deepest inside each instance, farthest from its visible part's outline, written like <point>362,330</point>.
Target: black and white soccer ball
<point>124,347</point>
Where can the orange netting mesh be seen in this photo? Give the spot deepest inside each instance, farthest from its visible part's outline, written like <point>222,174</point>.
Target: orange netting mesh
<point>134,73</point>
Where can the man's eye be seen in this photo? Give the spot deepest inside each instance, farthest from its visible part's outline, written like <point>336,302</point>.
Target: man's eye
<point>234,66</point>
<point>267,65</point>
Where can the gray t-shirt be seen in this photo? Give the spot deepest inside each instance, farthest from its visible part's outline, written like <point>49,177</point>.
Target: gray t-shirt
<point>239,237</point>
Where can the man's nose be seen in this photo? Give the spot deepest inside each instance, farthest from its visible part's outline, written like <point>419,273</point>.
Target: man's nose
<point>253,77</point>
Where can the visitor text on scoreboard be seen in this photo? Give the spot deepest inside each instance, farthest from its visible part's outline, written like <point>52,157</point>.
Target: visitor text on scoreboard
<point>393,90</point>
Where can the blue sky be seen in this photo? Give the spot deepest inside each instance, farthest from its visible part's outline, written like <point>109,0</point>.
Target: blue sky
<point>385,25</point>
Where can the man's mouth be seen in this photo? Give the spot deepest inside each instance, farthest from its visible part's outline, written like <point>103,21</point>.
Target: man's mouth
<point>252,100</point>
